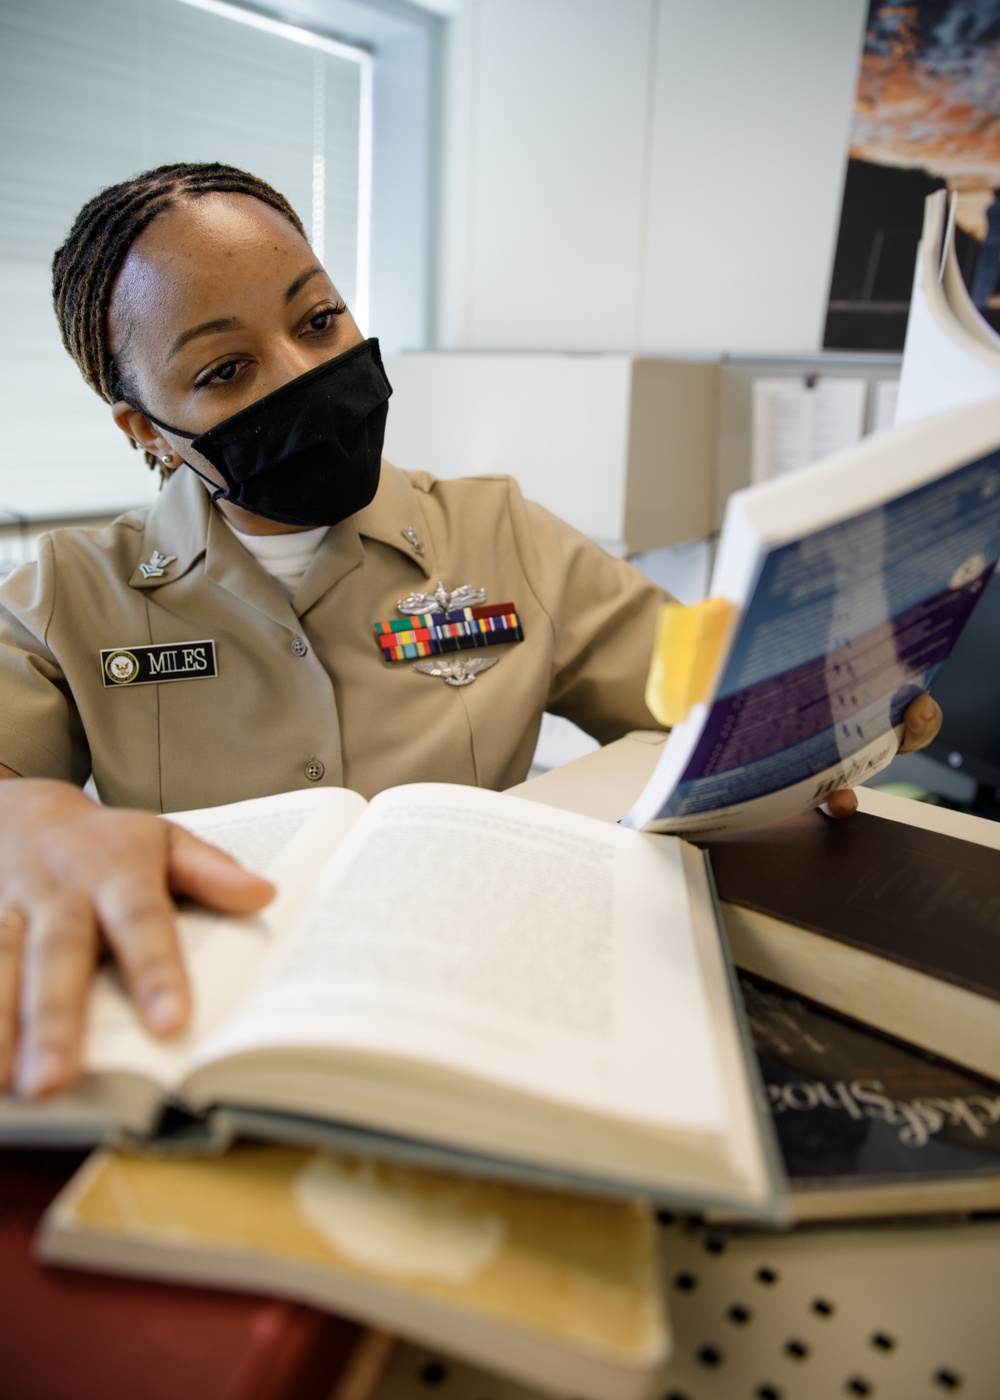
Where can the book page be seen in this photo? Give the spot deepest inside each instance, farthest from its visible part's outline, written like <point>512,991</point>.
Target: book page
<point>951,356</point>
<point>964,309</point>
<point>541,950</point>
<point>943,365</point>
<point>287,838</point>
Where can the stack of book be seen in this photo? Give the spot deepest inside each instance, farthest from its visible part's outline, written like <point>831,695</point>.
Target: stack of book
<point>898,1112</point>
<point>459,1002</point>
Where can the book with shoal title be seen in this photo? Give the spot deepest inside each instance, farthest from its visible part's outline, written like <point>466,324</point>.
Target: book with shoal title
<point>869,1126</point>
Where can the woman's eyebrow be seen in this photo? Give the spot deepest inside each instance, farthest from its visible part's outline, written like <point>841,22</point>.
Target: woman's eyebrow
<point>233,323</point>
<point>301,280</point>
<point>227,323</point>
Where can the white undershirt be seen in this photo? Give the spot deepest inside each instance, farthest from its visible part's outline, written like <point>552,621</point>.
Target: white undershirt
<point>284,557</point>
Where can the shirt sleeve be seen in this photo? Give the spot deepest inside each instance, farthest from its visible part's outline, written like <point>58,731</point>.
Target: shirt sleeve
<point>41,735</point>
<point>604,615</point>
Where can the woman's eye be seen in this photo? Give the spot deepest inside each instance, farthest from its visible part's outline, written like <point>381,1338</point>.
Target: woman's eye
<point>322,320</point>
<point>220,372</point>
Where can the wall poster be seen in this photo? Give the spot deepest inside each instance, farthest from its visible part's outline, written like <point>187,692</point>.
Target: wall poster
<point>926,116</point>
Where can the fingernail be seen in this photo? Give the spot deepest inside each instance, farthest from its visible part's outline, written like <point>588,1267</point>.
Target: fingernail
<point>164,1010</point>
<point>841,809</point>
<point>40,1071</point>
<point>926,709</point>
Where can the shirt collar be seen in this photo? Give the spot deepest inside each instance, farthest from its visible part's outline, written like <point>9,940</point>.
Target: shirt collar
<point>396,518</point>
<point>177,526</point>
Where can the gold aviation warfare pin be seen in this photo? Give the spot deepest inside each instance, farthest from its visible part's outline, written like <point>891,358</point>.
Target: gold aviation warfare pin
<point>152,665</point>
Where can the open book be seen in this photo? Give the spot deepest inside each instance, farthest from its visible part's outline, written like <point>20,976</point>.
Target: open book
<point>952,354</point>
<point>837,593</point>
<point>535,991</point>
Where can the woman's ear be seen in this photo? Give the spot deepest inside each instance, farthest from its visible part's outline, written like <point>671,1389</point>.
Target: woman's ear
<point>144,434</point>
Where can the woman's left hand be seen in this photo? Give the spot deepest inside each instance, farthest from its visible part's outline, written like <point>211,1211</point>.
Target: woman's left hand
<point>922,720</point>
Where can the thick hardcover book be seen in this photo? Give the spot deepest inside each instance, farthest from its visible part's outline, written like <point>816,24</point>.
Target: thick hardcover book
<point>848,583</point>
<point>888,922</point>
<point>459,967</point>
<point>867,1124</point>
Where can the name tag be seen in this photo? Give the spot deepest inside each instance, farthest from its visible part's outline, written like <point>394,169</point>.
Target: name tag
<point>167,661</point>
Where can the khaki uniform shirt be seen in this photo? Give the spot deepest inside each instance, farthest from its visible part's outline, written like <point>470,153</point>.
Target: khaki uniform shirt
<point>302,694</point>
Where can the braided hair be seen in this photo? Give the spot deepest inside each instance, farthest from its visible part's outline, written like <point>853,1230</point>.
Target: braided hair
<point>84,269</point>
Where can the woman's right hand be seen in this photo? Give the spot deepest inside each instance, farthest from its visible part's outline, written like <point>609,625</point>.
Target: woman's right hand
<point>75,876</point>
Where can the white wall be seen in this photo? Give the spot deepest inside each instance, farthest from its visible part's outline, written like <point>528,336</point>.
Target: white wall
<point>661,176</point>
<point>558,423</point>
<point>405,39</point>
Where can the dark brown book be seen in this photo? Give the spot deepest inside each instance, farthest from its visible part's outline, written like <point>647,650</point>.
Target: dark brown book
<point>887,922</point>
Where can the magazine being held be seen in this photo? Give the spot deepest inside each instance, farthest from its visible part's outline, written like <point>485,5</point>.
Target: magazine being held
<point>838,591</point>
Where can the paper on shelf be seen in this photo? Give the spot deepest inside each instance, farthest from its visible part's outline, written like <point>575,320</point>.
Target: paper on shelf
<point>885,394</point>
<point>797,422</point>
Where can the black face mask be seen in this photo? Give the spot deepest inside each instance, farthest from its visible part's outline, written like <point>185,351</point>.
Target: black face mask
<point>309,453</point>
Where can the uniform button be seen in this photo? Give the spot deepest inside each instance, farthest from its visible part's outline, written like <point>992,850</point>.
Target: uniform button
<point>299,645</point>
<point>314,770</point>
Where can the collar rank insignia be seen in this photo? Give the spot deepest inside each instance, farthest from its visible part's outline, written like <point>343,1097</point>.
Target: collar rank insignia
<point>458,629</point>
<point>157,564</point>
<point>461,672</point>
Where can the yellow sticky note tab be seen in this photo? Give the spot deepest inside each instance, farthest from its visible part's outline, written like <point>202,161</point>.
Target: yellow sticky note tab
<point>686,649</point>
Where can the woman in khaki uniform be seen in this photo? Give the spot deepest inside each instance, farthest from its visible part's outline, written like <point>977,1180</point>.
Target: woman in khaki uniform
<point>222,644</point>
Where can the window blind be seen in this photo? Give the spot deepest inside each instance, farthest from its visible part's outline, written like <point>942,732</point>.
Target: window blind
<point>93,91</point>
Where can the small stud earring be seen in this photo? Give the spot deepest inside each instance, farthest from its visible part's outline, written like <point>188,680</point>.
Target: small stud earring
<point>168,459</point>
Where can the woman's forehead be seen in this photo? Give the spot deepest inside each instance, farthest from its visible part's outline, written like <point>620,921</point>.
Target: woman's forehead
<point>213,254</point>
